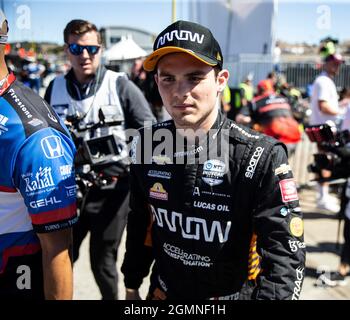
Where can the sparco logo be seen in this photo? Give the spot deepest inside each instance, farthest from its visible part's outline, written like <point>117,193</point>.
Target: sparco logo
<point>180,35</point>
<point>192,227</point>
<point>298,282</point>
<point>20,104</point>
<point>253,162</point>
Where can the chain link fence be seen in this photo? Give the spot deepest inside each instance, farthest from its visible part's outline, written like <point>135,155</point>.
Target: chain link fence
<point>300,74</point>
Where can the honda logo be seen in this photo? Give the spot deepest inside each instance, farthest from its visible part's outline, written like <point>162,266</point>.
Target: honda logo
<point>52,147</point>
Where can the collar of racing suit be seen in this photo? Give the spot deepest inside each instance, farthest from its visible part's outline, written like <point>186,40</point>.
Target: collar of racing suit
<point>212,134</point>
<point>6,82</point>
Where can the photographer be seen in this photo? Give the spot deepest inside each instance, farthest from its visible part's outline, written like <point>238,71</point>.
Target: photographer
<point>335,158</point>
<point>81,96</point>
<point>324,106</point>
<point>338,277</point>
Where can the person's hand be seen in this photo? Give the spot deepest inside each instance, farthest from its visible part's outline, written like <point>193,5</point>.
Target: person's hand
<point>242,119</point>
<point>132,294</point>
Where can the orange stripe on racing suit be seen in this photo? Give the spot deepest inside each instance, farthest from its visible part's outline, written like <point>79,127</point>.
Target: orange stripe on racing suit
<point>254,260</point>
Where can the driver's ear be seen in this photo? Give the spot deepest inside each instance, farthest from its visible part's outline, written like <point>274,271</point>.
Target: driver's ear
<point>222,79</point>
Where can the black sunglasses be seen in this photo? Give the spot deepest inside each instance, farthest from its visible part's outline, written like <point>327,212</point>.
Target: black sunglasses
<point>77,49</point>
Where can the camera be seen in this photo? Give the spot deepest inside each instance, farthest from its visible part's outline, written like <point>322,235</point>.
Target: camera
<point>104,150</point>
<point>334,153</point>
<point>99,161</point>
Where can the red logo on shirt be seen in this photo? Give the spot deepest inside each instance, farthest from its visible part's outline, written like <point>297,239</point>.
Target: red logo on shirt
<point>288,190</point>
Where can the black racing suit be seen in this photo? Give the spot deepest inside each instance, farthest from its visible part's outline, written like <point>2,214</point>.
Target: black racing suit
<point>203,216</point>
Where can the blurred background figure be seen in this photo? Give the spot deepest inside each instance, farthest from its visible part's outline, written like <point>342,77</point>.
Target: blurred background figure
<point>271,113</point>
<point>226,100</point>
<point>247,89</point>
<point>34,71</point>
<point>325,107</point>
<point>137,74</point>
<point>145,82</point>
<point>240,97</point>
<point>277,58</point>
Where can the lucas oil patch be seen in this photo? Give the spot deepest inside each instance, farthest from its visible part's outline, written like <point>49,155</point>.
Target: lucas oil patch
<point>296,227</point>
<point>288,190</point>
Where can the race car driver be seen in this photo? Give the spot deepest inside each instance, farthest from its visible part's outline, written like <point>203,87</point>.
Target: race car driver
<point>37,193</point>
<point>220,211</point>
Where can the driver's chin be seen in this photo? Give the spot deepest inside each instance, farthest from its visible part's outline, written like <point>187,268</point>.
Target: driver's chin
<point>186,120</point>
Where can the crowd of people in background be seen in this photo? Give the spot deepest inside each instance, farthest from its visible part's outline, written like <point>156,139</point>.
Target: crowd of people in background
<point>37,74</point>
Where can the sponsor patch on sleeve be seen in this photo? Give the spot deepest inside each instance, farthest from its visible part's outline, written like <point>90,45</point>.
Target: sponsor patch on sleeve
<point>284,168</point>
<point>288,190</point>
<point>296,227</point>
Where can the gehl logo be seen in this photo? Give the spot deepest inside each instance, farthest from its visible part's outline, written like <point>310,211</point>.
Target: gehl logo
<point>180,35</point>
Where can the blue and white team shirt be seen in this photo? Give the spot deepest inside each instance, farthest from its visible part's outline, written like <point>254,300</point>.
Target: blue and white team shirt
<point>37,185</point>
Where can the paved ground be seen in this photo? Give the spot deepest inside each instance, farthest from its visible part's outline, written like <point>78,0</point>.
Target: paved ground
<point>85,287</point>
<point>321,229</point>
<point>320,237</point>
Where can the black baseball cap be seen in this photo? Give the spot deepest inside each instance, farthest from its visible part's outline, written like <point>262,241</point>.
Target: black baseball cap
<point>188,37</point>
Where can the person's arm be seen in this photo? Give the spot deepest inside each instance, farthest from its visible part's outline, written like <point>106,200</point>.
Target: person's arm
<point>244,115</point>
<point>138,255</point>
<point>46,181</point>
<point>279,228</point>
<point>324,96</point>
<point>242,119</point>
<point>135,106</point>
<point>57,264</point>
<point>326,108</point>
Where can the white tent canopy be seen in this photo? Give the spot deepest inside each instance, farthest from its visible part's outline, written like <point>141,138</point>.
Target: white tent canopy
<point>125,49</point>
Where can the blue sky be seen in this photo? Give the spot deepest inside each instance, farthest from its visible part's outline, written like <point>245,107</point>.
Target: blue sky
<point>297,21</point>
<point>305,20</point>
